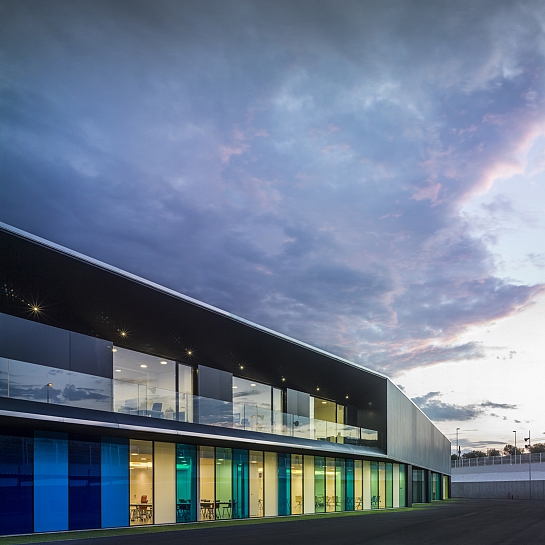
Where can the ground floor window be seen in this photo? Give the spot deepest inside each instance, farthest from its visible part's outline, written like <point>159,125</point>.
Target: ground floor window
<point>62,481</point>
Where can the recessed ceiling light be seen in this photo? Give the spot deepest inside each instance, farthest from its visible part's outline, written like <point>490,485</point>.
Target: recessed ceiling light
<point>235,386</point>
<point>163,362</point>
<point>144,366</point>
<point>189,352</point>
<point>114,349</point>
<point>143,459</point>
<point>118,370</point>
<point>252,384</point>
<point>134,454</point>
<point>324,402</point>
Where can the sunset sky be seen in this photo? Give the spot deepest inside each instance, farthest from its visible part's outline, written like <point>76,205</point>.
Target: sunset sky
<point>367,177</point>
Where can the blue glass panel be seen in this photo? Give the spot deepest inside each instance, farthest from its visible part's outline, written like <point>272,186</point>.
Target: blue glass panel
<point>16,482</point>
<point>284,484</point>
<point>240,484</point>
<point>186,483</point>
<point>50,481</point>
<point>84,483</point>
<point>349,473</point>
<point>114,475</point>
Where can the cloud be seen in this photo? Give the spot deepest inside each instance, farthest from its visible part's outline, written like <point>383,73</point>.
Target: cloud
<point>302,165</point>
<point>490,405</point>
<point>438,410</point>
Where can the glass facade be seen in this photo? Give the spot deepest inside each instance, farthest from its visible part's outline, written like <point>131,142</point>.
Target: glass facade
<point>59,481</point>
<point>186,483</point>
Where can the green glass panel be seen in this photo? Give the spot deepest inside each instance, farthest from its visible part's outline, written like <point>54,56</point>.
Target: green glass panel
<point>374,485</point>
<point>389,486</point>
<point>240,484</point>
<point>319,484</point>
<point>402,485</point>
<point>186,483</point>
<point>224,483</point>
<point>340,485</point>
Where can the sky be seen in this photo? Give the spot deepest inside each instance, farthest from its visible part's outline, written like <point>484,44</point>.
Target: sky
<point>364,176</point>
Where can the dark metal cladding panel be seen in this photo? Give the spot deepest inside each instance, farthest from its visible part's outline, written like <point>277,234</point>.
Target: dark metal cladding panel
<point>412,437</point>
<point>91,356</point>
<point>33,342</point>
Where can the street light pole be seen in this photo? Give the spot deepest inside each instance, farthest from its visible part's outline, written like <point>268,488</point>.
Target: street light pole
<point>457,448</point>
<point>515,432</point>
<point>529,460</point>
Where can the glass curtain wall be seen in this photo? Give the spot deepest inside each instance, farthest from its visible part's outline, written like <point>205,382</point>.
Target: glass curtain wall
<point>240,484</point>
<point>395,485</point>
<point>164,482</point>
<point>374,486</point>
<point>186,483</point>
<point>340,485</point>
<point>319,484</point>
<point>284,484</point>
<point>330,484</point>
<point>224,483</point>
<point>141,482</point>
<point>349,495</point>
<point>358,485</point>
<point>389,495</point>
<point>270,483</point>
<point>252,404</point>
<point>185,394</point>
<point>256,484</point>
<point>309,497</point>
<point>143,385</point>
<point>419,486</point>
<point>381,485</point>
<point>402,485</point>
<point>207,498</point>
<point>296,484</point>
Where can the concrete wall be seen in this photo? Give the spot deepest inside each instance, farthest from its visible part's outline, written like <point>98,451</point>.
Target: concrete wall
<point>412,437</point>
<point>504,472</point>
<point>518,490</point>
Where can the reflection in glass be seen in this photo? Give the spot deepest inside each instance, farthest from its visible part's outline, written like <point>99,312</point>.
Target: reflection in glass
<point>349,479</point>
<point>59,386</point>
<point>143,385</point>
<point>141,482</point>
<point>270,483</point>
<point>251,405</point>
<point>185,397</point>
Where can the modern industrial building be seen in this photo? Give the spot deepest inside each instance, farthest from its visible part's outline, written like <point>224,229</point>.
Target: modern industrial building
<point>125,403</point>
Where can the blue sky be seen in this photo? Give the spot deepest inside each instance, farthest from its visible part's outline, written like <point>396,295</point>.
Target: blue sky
<point>364,176</point>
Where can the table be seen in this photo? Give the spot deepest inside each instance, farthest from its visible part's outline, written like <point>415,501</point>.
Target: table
<point>141,511</point>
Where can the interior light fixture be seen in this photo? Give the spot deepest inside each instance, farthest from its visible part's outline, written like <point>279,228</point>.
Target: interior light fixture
<point>114,349</point>
<point>317,388</point>
<point>163,362</point>
<point>235,386</point>
<point>118,370</point>
<point>283,379</point>
<point>134,454</point>
<point>143,366</point>
<point>252,384</point>
<point>242,366</point>
<point>324,402</point>
<point>346,397</point>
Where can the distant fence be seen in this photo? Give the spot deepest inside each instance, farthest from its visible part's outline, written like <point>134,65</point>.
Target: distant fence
<point>536,458</point>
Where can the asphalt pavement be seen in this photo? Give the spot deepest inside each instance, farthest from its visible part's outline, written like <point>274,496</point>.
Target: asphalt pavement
<point>460,522</point>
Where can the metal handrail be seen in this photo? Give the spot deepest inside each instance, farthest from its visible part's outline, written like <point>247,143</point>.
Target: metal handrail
<point>510,459</point>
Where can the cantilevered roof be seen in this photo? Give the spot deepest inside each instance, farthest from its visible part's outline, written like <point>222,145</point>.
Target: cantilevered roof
<point>82,294</point>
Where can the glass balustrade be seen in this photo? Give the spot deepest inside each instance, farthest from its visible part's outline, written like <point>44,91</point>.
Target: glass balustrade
<point>22,380</point>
